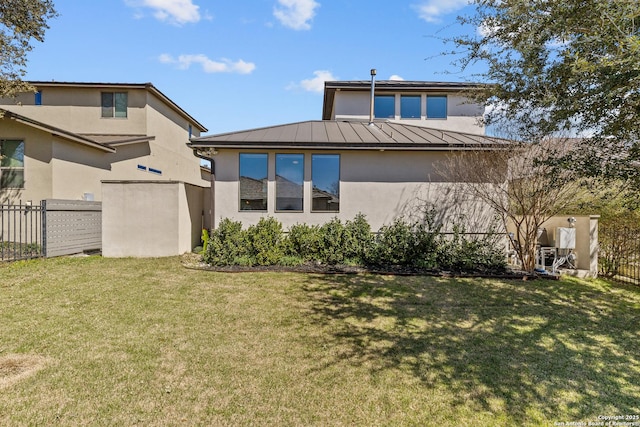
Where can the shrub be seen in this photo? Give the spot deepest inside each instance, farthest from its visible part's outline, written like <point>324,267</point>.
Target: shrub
<point>266,241</point>
<point>303,241</point>
<point>471,253</point>
<point>331,247</point>
<point>393,245</point>
<point>358,240</point>
<point>226,243</point>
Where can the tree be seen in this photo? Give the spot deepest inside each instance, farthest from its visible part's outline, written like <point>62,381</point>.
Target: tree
<point>555,65</point>
<point>21,21</point>
<point>522,187</point>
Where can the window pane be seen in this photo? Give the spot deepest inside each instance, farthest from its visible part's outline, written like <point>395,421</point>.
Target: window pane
<point>436,107</point>
<point>38,98</point>
<point>12,154</point>
<point>325,177</point>
<point>121,104</point>
<point>410,107</point>
<point>11,178</point>
<point>384,107</point>
<point>289,182</point>
<point>253,182</point>
<point>107,104</point>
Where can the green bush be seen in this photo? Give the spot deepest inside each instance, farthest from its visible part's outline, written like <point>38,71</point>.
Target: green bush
<point>266,241</point>
<point>225,244</point>
<point>358,240</point>
<point>419,244</point>
<point>303,241</point>
<point>471,253</point>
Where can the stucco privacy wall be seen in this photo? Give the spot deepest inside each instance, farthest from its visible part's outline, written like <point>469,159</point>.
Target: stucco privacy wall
<point>383,185</point>
<point>586,239</point>
<point>150,219</point>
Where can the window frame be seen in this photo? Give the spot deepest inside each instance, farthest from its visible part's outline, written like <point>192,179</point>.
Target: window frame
<point>302,190</point>
<point>446,107</point>
<point>3,168</point>
<point>265,189</point>
<point>413,98</point>
<point>376,107</point>
<point>314,155</point>
<point>111,109</point>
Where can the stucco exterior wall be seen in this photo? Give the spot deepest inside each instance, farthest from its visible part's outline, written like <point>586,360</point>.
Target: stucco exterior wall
<point>383,185</point>
<point>79,110</point>
<point>462,116</point>
<point>37,163</point>
<point>150,219</point>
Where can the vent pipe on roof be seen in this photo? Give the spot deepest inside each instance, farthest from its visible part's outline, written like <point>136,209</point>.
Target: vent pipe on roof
<point>373,88</point>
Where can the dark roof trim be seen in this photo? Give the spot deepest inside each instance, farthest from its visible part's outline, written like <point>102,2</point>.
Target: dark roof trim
<point>115,86</point>
<point>400,84</point>
<point>70,136</point>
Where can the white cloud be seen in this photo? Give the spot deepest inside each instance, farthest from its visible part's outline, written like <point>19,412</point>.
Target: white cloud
<point>396,77</point>
<point>315,84</point>
<point>432,10</point>
<point>296,14</point>
<point>174,11</point>
<point>224,65</point>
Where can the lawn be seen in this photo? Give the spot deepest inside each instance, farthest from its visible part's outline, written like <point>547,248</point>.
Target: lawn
<point>93,341</point>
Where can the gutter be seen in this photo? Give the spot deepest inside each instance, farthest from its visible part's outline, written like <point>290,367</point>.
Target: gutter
<point>212,187</point>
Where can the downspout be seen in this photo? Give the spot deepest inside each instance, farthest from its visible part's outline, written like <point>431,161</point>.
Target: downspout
<point>371,103</point>
<point>212,188</point>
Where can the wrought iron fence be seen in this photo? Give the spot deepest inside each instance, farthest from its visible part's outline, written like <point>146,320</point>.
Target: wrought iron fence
<point>21,234</point>
<point>619,255</point>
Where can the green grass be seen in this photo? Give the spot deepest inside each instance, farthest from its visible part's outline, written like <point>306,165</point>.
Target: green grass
<point>92,341</point>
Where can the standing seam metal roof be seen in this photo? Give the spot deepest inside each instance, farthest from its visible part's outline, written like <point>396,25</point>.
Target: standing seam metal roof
<point>347,135</point>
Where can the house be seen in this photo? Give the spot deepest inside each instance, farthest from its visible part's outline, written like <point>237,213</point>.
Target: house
<point>63,140</point>
<point>313,171</point>
<point>121,144</point>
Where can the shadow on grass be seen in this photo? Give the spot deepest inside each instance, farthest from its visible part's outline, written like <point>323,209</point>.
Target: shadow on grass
<point>551,350</point>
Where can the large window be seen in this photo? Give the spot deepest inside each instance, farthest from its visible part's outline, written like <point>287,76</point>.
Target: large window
<point>436,107</point>
<point>289,182</point>
<point>253,182</point>
<point>384,106</point>
<point>410,107</point>
<point>11,164</point>
<point>114,104</point>
<point>325,178</point>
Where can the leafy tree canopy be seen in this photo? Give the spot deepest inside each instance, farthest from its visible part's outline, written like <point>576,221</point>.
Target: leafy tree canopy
<point>560,64</point>
<point>21,21</point>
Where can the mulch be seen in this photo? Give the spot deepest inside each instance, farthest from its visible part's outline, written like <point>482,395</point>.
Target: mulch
<point>193,261</point>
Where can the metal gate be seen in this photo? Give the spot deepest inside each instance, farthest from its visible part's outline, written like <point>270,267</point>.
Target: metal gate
<point>52,228</point>
<point>21,234</point>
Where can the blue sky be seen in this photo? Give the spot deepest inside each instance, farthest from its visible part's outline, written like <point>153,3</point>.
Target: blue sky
<point>241,64</point>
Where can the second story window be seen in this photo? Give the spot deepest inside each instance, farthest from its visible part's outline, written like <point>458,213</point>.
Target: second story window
<point>437,107</point>
<point>384,107</point>
<point>114,104</point>
<point>38,98</point>
<point>410,107</point>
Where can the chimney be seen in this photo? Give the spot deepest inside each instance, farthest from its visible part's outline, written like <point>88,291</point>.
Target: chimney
<point>373,88</point>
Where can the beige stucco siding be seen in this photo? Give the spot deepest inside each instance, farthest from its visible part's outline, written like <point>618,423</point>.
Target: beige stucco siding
<point>79,110</point>
<point>383,185</point>
<point>150,219</point>
<point>37,163</point>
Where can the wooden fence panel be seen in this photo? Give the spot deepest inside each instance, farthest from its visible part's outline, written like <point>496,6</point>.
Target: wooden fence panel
<point>72,226</point>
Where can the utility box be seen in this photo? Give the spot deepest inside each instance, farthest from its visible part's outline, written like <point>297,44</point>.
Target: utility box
<point>565,238</point>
